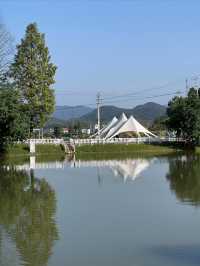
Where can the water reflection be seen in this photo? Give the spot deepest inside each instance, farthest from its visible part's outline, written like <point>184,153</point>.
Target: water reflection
<point>126,169</point>
<point>27,208</point>
<point>184,178</point>
<point>180,254</point>
<point>100,226</point>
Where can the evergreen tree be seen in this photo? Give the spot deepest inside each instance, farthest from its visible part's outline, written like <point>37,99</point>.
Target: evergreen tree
<point>6,51</point>
<point>57,132</point>
<point>33,74</point>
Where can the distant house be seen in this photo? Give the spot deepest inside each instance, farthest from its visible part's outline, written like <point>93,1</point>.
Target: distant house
<point>65,130</point>
<point>86,131</point>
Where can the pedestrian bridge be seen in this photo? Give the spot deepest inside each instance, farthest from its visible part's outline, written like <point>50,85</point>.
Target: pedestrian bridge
<point>72,143</point>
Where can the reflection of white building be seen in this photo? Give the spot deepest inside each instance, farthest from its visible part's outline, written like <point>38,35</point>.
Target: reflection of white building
<point>131,169</point>
<point>128,169</point>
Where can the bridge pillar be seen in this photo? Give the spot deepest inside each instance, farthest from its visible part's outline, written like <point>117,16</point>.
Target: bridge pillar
<point>32,162</point>
<point>32,146</point>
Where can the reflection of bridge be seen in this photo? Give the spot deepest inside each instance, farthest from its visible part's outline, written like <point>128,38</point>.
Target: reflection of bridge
<point>42,165</point>
<point>129,168</point>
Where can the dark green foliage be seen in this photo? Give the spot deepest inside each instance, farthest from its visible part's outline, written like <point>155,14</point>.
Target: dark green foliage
<point>77,128</point>
<point>175,112</point>
<point>184,117</point>
<point>33,74</point>
<point>14,122</point>
<point>57,132</point>
<point>159,125</point>
<point>184,178</point>
<point>27,207</point>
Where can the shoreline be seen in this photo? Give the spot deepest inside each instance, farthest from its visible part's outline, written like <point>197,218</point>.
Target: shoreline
<point>20,150</point>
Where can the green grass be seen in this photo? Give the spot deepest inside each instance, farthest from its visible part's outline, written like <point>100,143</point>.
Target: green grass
<point>41,149</point>
<point>197,150</point>
<point>49,149</point>
<point>17,149</point>
<point>126,149</point>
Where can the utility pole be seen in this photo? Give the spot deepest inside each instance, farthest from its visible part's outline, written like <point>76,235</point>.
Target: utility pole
<point>196,84</point>
<point>186,87</point>
<point>98,113</point>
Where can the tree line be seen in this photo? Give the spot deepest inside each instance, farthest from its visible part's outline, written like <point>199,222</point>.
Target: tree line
<point>26,97</point>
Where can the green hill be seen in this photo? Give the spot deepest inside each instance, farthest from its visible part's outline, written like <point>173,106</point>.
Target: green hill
<point>145,113</point>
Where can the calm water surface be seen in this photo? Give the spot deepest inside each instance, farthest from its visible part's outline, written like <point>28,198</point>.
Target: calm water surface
<point>131,212</point>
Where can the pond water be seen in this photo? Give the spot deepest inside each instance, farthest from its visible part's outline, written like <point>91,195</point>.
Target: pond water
<point>131,212</point>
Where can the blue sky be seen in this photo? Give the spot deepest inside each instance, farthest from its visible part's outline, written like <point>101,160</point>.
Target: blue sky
<point>115,47</point>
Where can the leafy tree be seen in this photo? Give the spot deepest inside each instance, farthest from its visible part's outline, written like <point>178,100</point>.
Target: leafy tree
<point>176,112</point>
<point>184,116</point>
<point>33,74</point>
<point>14,122</point>
<point>159,125</point>
<point>191,130</point>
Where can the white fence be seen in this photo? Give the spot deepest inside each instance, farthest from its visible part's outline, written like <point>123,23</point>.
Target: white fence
<point>45,141</point>
<point>78,142</point>
<point>122,140</point>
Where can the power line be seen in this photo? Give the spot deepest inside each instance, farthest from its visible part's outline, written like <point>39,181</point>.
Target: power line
<point>144,97</point>
<point>79,91</point>
<point>140,91</point>
<point>130,98</point>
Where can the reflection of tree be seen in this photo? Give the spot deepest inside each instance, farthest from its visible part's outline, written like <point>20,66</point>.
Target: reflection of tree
<point>27,209</point>
<point>184,178</point>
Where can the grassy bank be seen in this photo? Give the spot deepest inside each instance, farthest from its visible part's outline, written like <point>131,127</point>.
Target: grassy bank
<point>41,149</point>
<point>125,149</point>
<point>97,150</point>
<point>197,150</point>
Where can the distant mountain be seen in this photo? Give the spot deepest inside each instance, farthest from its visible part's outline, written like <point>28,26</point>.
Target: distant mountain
<point>145,113</point>
<point>70,112</point>
<point>54,122</point>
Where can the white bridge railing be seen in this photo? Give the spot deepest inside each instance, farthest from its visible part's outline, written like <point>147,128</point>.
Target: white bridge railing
<point>45,141</point>
<point>70,144</point>
<point>122,140</point>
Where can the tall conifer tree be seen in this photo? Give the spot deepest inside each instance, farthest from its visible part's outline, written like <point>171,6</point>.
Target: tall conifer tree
<point>33,74</point>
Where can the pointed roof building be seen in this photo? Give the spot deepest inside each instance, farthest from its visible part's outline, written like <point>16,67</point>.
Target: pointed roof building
<point>117,126</point>
<point>130,125</point>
